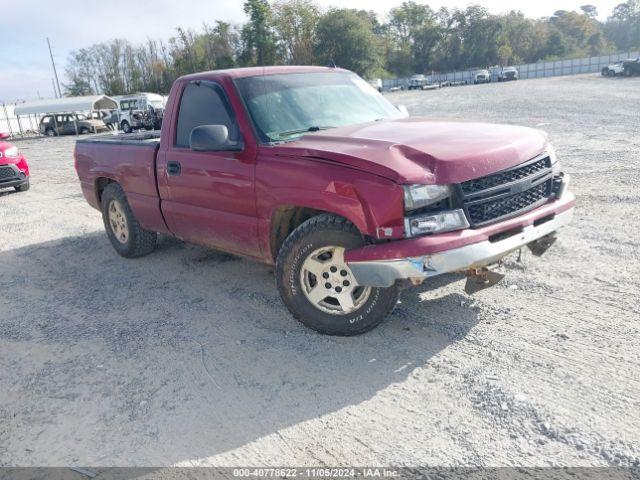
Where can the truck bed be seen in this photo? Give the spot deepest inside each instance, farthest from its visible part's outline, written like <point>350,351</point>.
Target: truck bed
<point>140,139</point>
<point>128,159</point>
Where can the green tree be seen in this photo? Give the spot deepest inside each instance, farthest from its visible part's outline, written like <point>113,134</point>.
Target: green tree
<point>623,27</point>
<point>259,43</point>
<point>415,33</point>
<point>295,23</point>
<point>346,37</point>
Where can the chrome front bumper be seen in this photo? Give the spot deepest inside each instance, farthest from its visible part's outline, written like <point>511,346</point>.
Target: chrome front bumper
<point>384,273</point>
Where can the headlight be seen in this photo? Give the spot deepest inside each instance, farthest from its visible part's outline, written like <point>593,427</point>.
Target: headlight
<point>11,152</point>
<point>436,223</point>
<point>416,196</point>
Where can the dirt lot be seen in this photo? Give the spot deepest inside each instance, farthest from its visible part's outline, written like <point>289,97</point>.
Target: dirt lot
<point>188,356</point>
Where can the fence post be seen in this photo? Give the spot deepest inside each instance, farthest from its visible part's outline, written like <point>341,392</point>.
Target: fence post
<point>6,116</point>
<point>20,126</point>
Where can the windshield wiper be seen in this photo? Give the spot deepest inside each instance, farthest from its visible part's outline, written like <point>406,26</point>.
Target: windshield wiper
<point>302,130</point>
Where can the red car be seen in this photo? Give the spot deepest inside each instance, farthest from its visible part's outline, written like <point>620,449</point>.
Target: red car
<point>310,169</point>
<point>14,171</point>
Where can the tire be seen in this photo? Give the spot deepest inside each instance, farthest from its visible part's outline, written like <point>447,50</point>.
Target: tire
<point>324,238</point>
<point>126,128</point>
<point>611,73</point>
<point>24,187</point>
<point>126,235</point>
<point>50,132</point>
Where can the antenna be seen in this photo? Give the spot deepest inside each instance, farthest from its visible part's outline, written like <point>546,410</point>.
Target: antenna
<point>55,72</point>
<point>332,64</point>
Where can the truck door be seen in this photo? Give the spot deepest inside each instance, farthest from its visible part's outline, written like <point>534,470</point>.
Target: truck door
<point>208,197</point>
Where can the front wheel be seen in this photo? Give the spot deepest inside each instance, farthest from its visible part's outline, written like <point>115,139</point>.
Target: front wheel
<point>318,287</point>
<point>126,235</point>
<point>126,128</point>
<point>24,187</point>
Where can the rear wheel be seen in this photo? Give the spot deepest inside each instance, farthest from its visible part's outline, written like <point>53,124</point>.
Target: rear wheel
<point>126,235</point>
<point>318,287</point>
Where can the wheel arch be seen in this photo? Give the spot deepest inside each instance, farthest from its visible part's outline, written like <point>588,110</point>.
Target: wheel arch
<point>100,184</point>
<point>284,219</point>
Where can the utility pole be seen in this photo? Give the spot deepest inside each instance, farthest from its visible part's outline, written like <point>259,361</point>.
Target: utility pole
<point>55,73</point>
<point>53,84</point>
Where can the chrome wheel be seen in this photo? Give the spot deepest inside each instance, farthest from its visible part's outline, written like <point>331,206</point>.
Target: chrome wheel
<point>328,283</point>
<point>118,222</point>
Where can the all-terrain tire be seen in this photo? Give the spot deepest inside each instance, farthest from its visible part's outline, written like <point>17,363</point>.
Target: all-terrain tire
<point>139,242</point>
<point>24,187</point>
<point>327,230</point>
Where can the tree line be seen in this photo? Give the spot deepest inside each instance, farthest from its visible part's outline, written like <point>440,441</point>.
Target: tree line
<point>413,38</point>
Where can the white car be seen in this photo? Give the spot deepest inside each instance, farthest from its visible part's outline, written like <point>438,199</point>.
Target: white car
<point>613,69</point>
<point>481,76</point>
<point>377,84</point>
<point>508,73</point>
<point>140,110</point>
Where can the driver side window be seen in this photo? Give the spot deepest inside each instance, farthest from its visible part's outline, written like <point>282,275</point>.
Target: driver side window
<point>202,105</point>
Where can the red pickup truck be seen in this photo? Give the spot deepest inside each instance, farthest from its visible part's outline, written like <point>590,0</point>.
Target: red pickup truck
<point>312,170</point>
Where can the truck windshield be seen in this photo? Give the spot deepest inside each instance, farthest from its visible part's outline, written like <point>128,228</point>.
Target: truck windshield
<point>286,106</point>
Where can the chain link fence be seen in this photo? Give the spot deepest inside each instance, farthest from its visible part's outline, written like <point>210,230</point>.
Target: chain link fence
<point>529,70</point>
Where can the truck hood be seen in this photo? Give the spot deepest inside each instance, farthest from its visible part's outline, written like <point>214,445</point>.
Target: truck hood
<point>415,150</point>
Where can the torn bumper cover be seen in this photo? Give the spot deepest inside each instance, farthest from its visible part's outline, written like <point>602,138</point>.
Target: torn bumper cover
<point>416,259</point>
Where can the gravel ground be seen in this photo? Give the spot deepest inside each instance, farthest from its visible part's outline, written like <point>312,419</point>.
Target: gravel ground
<point>188,357</point>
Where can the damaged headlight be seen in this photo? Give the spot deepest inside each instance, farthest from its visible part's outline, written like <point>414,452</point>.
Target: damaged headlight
<point>417,196</point>
<point>440,222</point>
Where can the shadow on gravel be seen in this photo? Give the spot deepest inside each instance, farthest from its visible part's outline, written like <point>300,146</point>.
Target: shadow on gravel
<point>183,354</point>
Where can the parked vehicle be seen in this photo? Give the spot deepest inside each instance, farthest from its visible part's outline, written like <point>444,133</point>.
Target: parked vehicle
<point>481,76</point>
<point>631,67</point>
<point>416,82</point>
<point>613,69</point>
<point>507,74</point>
<point>70,124</point>
<point>313,171</point>
<point>14,170</point>
<point>110,118</point>
<point>140,111</point>
<point>377,84</point>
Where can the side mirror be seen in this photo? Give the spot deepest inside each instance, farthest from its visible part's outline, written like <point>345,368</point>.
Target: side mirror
<point>212,138</point>
<point>403,110</point>
<point>4,135</point>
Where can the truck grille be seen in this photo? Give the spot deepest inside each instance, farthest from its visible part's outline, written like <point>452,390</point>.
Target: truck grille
<point>7,173</point>
<point>507,193</point>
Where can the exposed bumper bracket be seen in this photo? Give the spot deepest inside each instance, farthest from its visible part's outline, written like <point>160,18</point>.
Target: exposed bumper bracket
<point>384,273</point>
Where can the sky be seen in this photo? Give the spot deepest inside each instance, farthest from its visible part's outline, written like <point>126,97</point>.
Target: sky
<point>25,65</point>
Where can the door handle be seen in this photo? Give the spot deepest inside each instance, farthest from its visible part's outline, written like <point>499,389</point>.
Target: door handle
<point>173,168</point>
